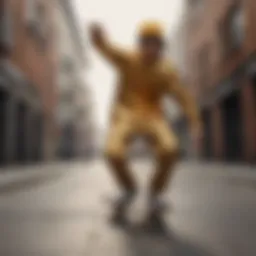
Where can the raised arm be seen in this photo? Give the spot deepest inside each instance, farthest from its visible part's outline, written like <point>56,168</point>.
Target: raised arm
<point>114,55</point>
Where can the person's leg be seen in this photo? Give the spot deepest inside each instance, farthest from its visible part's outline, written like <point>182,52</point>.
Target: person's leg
<point>166,147</point>
<point>115,154</point>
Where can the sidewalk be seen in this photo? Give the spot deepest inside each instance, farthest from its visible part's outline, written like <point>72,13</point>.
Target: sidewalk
<point>235,174</point>
<point>17,177</point>
<point>235,168</point>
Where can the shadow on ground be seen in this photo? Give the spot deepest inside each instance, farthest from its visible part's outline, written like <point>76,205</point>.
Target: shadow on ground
<point>154,237</point>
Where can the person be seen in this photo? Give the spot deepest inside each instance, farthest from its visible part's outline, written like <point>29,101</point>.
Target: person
<point>145,77</point>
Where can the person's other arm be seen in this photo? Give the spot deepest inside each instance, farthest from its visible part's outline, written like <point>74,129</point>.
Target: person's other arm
<point>110,52</point>
<point>188,104</point>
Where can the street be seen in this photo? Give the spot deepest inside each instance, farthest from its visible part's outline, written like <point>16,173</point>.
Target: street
<point>212,213</point>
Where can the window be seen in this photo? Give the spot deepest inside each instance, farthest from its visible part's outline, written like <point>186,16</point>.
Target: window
<point>194,3</point>
<point>37,20</point>
<point>68,97</point>
<point>237,27</point>
<point>232,30</point>
<point>6,29</point>
<point>195,11</point>
<point>67,65</point>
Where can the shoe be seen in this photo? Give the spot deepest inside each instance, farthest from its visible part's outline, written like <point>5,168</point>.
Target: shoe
<point>156,205</point>
<point>124,201</point>
<point>121,206</point>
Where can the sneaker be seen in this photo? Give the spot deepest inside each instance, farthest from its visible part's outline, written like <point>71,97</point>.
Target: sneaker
<point>156,205</point>
<point>122,204</point>
<point>125,199</point>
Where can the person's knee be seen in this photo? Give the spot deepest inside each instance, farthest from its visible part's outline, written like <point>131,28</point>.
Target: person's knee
<point>113,155</point>
<point>169,153</point>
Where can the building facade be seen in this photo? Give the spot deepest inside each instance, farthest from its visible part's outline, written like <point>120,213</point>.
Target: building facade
<point>73,112</point>
<point>221,43</point>
<point>27,87</point>
<point>177,52</point>
<point>85,125</point>
<point>177,46</point>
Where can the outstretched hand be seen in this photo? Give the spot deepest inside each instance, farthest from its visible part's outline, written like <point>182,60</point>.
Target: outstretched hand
<point>96,33</point>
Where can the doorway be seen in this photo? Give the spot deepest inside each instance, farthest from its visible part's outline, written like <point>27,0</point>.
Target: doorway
<point>232,125</point>
<point>21,135</point>
<point>67,142</point>
<point>254,98</point>
<point>38,138</point>
<point>207,142</point>
<point>3,119</point>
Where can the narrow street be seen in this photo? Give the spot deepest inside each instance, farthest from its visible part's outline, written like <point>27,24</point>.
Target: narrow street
<point>212,213</point>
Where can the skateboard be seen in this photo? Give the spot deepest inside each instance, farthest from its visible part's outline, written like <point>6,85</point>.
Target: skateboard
<point>154,220</point>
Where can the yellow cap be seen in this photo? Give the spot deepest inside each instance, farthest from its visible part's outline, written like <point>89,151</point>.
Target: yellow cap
<point>151,28</point>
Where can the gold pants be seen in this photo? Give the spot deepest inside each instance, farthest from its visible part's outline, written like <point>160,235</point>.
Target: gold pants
<point>127,126</point>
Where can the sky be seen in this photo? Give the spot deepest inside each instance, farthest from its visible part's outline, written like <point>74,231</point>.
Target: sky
<point>120,19</point>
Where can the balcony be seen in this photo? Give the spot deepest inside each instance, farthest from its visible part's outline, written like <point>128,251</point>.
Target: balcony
<point>6,38</point>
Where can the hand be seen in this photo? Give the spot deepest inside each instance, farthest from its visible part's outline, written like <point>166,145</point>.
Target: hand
<point>96,33</point>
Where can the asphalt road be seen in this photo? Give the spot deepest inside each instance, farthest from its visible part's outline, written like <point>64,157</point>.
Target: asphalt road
<point>212,212</point>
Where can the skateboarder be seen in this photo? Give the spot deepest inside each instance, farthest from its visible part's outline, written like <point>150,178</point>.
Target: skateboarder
<point>145,77</point>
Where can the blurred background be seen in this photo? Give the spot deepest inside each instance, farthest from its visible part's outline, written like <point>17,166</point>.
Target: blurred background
<point>214,48</point>
<point>46,102</point>
<point>56,92</point>
<point>55,99</point>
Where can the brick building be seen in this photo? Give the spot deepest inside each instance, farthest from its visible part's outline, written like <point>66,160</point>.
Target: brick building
<point>27,81</point>
<point>221,36</point>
